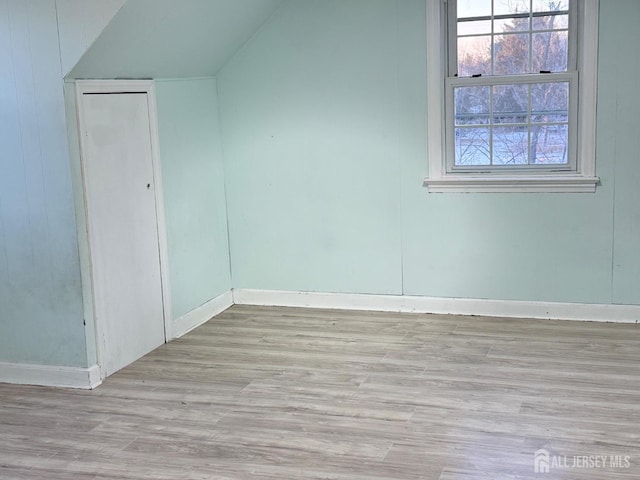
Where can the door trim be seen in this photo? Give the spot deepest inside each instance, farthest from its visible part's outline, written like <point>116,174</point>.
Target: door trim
<point>126,86</point>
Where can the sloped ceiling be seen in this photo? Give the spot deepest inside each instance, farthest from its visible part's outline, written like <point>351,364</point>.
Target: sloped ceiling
<point>172,38</point>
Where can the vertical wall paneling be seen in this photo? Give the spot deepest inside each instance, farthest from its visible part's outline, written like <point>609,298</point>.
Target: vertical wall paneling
<point>8,134</point>
<point>620,68</point>
<point>41,319</point>
<point>15,213</point>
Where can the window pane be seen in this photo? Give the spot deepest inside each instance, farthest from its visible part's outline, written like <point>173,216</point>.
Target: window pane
<point>510,145</point>
<point>549,144</point>
<point>551,22</point>
<point>510,103</point>
<point>550,51</point>
<point>474,8</point>
<point>550,5</point>
<point>511,25</point>
<point>504,7</point>
<point>474,56</point>
<point>472,146</point>
<point>550,102</point>
<point>511,54</point>
<point>474,28</point>
<point>471,105</point>
<point>518,123</point>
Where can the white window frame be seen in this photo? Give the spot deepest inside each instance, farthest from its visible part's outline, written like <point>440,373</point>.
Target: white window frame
<point>580,178</point>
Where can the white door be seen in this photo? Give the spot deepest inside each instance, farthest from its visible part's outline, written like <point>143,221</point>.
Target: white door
<point>123,226</point>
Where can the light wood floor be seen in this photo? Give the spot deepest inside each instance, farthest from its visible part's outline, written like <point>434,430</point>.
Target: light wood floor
<point>275,393</point>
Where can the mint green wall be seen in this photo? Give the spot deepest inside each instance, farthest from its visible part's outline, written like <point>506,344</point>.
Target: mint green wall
<point>40,297</point>
<point>193,184</point>
<point>323,121</point>
<point>619,105</point>
<point>310,129</point>
<point>41,310</point>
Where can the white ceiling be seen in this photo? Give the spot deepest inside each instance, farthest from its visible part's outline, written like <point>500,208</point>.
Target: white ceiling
<point>173,38</point>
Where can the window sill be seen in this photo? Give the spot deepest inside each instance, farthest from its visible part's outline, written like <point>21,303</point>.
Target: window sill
<point>463,183</point>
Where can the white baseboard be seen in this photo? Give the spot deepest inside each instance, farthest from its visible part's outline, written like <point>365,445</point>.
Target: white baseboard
<point>50,376</point>
<point>202,314</point>
<point>453,306</point>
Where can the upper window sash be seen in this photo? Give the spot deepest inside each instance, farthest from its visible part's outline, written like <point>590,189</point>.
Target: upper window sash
<point>451,23</point>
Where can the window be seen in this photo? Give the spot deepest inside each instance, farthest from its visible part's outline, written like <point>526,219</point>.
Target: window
<point>512,106</point>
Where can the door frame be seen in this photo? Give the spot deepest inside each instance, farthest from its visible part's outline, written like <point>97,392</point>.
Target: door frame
<point>114,87</point>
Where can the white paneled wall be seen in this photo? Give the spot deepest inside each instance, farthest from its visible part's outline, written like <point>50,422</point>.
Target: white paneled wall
<point>41,318</point>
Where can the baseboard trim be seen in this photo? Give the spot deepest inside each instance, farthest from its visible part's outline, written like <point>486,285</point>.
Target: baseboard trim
<point>50,376</point>
<point>453,306</point>
<point>202,314</point>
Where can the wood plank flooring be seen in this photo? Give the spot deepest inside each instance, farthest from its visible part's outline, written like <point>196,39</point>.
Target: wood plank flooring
<point>281,393</point>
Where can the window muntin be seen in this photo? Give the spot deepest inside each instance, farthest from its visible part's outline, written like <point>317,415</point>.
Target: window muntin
<point>512,86</point>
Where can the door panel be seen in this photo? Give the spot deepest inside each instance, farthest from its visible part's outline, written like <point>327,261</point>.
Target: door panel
<point>123,231</point>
